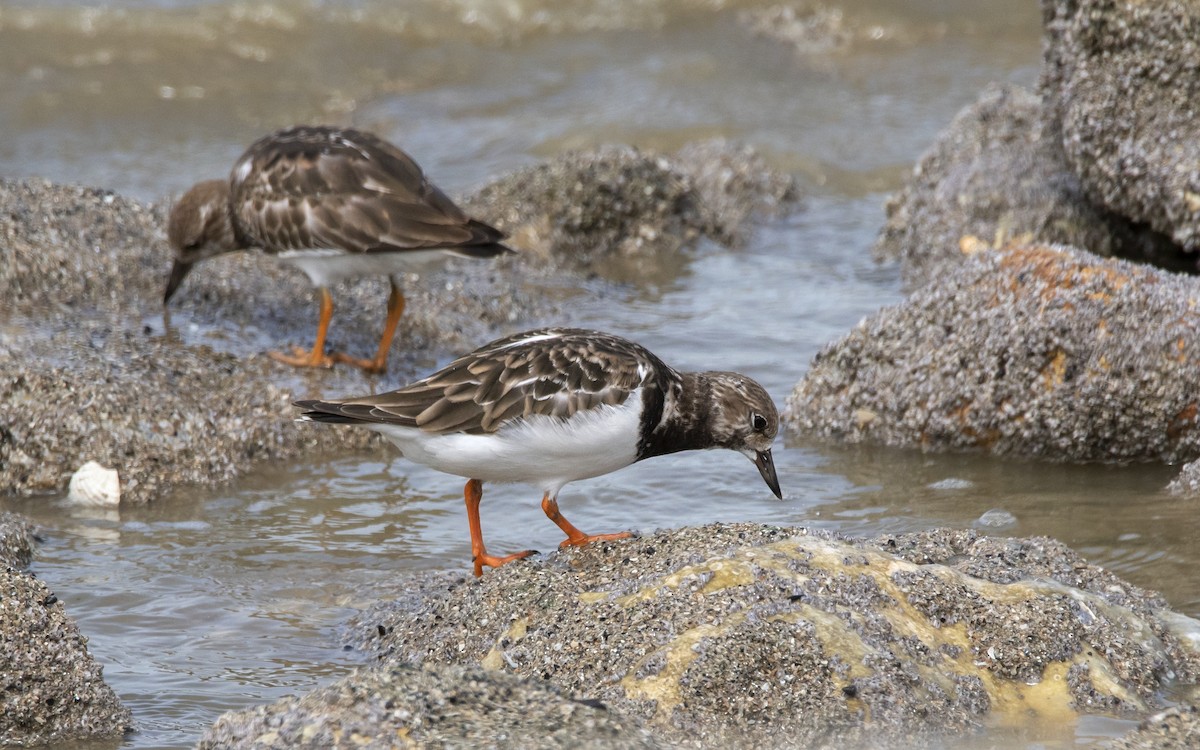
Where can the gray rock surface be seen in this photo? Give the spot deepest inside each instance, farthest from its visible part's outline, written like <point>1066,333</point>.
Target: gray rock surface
<point>1121,82</point>
<point>90,370</point>
<point>995,176</point>
<point>617,209</point>
<point>1034,350</point>
<point>431,706</point>
<point>51,688</point>
<point>751,635</point>
<point>16,540</point>
<point>735,185</point>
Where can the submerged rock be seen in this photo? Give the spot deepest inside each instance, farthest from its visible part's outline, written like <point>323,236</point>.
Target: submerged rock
<point>814,29</point>
<point>1121,81</point>
<point>744,634</point>
<point>998,175</point>
<point>1034,350</point>
<point>430,706</point>
<point>1174,729</point>
<point>809,29</point>
<point>51,688</point>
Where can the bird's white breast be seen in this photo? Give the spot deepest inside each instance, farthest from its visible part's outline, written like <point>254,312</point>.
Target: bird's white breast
<point>324,266</point>
<point>547,452</point>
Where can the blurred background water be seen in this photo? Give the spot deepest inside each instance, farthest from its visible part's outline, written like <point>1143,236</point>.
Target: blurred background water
<point>217,600</point>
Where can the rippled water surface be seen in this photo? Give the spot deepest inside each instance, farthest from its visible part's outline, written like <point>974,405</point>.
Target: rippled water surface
<point>209,601</point>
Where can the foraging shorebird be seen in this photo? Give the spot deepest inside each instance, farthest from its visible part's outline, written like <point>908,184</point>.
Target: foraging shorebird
<point>336,203</point>
<point>549,406</point>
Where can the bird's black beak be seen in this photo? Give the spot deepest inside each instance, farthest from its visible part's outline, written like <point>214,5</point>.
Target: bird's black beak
<point>178,272</point>
<point>766,467</point>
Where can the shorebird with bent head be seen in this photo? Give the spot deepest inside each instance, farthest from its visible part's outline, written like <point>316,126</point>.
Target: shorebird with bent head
<point>336,203</point>
<point>549,406</point>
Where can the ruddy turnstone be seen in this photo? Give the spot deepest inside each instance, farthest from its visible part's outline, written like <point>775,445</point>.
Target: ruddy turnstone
<point>335,203</point>
<point>554,405</point>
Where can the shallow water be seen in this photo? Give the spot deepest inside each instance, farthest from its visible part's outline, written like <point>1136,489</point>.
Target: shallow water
<point>216,600</point>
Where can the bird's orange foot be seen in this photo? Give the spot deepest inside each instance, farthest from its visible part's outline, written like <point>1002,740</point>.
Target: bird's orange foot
<point>492,561</point>
<point>582,539</point>
<point>371,366</point>
<point>303,358</point>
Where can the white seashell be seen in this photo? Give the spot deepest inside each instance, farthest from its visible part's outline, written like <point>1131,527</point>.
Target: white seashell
<point>95,486</point>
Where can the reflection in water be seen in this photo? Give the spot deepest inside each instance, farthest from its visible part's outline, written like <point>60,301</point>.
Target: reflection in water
<point>95,524</point>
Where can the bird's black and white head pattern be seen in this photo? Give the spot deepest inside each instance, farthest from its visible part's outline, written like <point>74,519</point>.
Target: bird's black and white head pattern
<point>742,415</point>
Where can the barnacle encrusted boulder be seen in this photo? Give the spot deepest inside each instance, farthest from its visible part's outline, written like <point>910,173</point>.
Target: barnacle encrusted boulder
<point>431,706</point>
<point>16,540</point>
<point>795,638</point>
<point>1031,350</point>
<point>736,185</point>
<point>997,174</point>
<point>51,688</point>
<point>1121,80</point>
<point>588,207</point>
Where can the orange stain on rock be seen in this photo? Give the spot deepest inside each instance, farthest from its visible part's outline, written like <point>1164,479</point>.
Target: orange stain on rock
<point>1057,271</point>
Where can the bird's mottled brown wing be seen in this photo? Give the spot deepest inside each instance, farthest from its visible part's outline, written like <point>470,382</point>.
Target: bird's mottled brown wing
<point>319,187</point>
<point>552,372</point>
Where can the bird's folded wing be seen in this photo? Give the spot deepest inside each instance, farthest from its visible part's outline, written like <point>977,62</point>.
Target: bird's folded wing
<point>481,392</point>
<point>316,188</point>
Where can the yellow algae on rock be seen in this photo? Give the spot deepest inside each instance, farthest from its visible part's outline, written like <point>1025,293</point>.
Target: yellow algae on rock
<point>1013,702</point>
<point>786,636</point>
<point>663,687</point>
<point>495,658</point>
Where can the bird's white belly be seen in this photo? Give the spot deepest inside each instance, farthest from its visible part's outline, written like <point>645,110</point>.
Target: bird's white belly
<point>542,451</point>
<point>324,267</point>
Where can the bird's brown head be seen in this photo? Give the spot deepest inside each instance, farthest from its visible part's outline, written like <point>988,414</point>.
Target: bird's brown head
<point>200,227</point>
<point>744,419</point>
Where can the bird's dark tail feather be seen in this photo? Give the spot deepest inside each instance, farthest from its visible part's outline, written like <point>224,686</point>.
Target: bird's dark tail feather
<point>490,250</point>
<point>311,414</point>
<point>327,418</point>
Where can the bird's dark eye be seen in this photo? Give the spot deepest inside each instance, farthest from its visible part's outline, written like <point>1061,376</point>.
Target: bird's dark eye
<point>758,422</point>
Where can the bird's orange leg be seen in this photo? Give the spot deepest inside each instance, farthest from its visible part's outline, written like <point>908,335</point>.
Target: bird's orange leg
<point>395,309</point>
<point>575,537</point>
<point>316,357</point>
<point>473,493</point>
